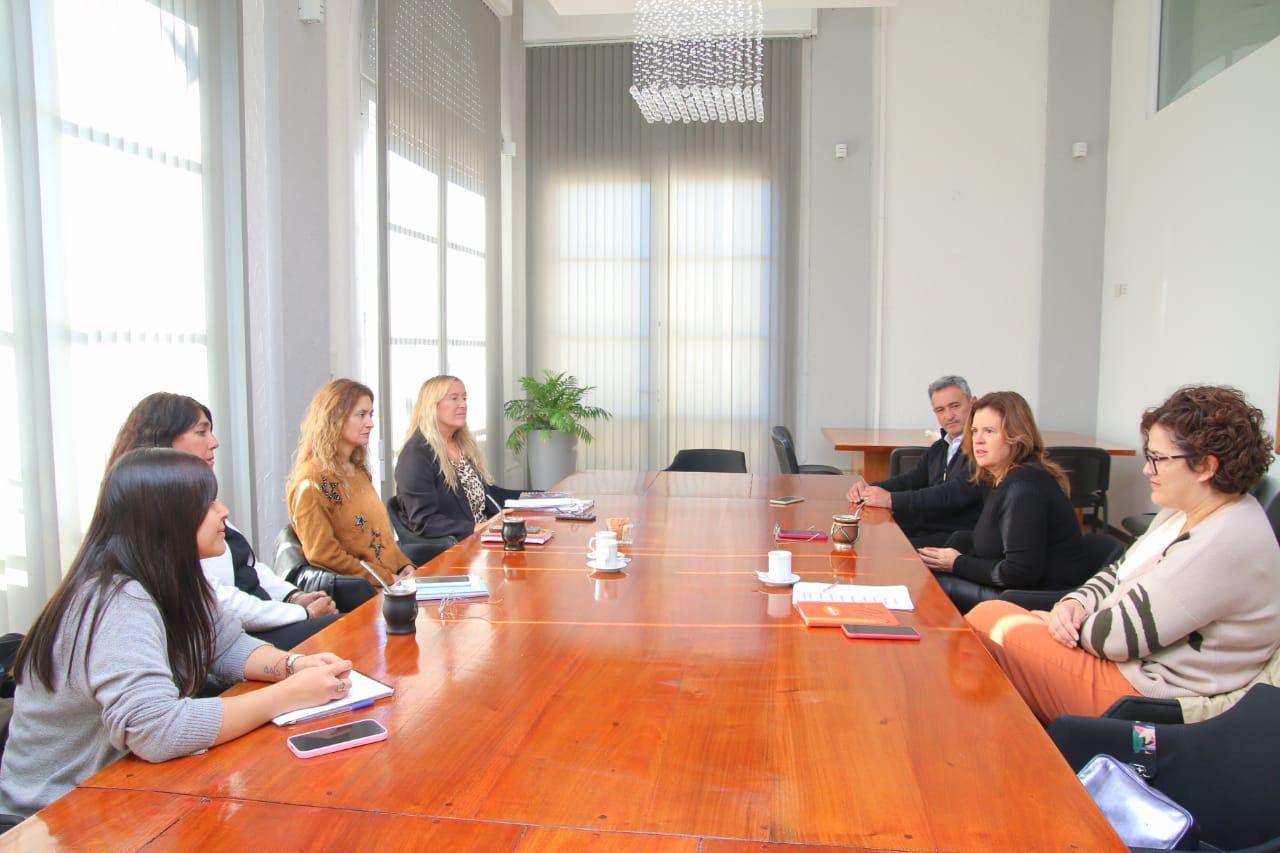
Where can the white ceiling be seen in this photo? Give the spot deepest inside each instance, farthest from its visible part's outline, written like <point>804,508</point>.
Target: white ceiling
<point>615,7</point>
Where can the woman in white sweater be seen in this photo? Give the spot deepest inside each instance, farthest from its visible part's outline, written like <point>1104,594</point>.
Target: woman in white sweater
<point>1193,609</point>
<point>269,607</point>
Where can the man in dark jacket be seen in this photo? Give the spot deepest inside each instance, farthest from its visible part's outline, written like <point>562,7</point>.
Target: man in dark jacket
<point>938,496</point>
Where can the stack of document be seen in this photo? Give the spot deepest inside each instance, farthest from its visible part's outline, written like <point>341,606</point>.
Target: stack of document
<point>893,597</point>
<point>552,502</point>
<point>450,586</point>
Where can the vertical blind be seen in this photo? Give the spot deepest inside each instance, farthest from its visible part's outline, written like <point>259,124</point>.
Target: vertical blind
<point>440,103</point>
<point>110,234</point>
<point>661,257</point>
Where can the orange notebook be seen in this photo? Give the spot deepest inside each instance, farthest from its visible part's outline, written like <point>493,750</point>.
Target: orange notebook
<point>836,613</point>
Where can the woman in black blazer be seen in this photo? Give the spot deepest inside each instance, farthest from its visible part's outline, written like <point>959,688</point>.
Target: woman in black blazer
<point>1027,536</point>
<point>441,481</point>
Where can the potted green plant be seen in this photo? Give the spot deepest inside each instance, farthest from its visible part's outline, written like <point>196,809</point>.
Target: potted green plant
<point>549,422</point>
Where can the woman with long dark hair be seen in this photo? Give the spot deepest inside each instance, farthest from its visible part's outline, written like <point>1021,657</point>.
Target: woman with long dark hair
<point>269,607</point>
<point>114,662</point>
<point>1027,535</point>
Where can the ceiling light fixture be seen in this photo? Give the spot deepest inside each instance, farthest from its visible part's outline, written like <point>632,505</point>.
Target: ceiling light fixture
<point>699,60</point>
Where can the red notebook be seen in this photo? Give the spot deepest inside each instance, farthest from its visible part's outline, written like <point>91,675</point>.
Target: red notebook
<point>836,613</point>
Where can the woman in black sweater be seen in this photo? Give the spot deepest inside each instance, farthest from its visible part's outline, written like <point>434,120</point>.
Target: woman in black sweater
<point>441,481</point>
<point>1027,536</point>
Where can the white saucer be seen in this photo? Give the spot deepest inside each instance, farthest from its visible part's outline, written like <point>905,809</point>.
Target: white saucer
<point>604,567</point>
<point>768,581</point>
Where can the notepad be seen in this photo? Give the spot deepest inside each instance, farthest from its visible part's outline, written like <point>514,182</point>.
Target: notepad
<point>892,597</point>
<point>835,613</point>
<point>553,505</point>
<point>363,688</point>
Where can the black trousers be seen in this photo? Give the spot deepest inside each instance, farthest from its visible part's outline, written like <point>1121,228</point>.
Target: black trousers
<point>287,636</point>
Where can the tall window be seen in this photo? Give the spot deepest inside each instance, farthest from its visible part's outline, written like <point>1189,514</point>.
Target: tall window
<point>1201,38</point>
<point>113,240</point>
<point>438,99</point>
<point>660,257</point>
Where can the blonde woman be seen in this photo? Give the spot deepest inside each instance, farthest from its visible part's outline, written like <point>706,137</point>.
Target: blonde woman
<point>333,505</point>
<point>441,481</point>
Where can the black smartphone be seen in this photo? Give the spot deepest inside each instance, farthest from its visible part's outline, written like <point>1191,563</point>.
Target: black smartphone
<point>575,516</point>
<point>786,500</point>
<point>880,632</point>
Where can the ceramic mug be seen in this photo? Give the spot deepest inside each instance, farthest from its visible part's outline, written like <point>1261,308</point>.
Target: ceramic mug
<point>603,548</point>
<point>780,566</point>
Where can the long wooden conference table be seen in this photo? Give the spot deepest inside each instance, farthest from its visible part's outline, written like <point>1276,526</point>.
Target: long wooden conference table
<point>677,706</point>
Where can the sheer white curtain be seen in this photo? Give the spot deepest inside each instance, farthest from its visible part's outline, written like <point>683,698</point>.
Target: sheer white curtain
<point>438,96</point>
<point>113,246</point>
<point>661,257</point>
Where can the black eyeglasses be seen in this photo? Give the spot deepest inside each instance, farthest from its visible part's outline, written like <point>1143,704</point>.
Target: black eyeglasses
<point>1154,458</point>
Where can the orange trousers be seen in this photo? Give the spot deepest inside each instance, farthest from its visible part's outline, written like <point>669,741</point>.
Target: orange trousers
<point>1053,679</point>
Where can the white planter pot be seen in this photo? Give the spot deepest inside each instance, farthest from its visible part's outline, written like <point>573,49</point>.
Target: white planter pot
<point>552,457</point>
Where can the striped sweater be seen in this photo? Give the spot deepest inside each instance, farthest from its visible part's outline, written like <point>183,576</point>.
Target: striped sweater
<point>1199,617</point>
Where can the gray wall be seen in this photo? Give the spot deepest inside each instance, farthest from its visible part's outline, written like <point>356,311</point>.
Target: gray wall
<point>832,336</point>
<point>286,282</point>
<point>1075,199</point>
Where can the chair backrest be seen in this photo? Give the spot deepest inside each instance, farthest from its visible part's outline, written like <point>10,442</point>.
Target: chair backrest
<point>402,530</point>
<point>289,559</point>
<point>710,460</point>
<point>1088,468</point>
<point>903,458</point>
<point>1268,494</point>
<point>1100,551</point>
<point>785,446</point>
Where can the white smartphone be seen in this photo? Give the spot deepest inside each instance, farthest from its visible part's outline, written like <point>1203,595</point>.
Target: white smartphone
<point>334,738</point>
<point>785,500</point>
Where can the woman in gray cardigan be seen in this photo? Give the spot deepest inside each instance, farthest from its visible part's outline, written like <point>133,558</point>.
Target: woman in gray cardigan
<point>116,659</point>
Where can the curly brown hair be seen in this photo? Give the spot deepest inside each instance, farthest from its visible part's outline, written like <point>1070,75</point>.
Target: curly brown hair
<point>1217,421</point>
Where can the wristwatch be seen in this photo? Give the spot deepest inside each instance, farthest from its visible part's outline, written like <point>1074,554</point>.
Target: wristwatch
<point>289,662</point>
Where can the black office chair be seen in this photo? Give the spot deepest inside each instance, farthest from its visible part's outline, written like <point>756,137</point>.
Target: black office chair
<point>1222,770</point>
<point>710,461</point>
<point>785,446</point>
<point>1267,492</point>
<point>1100,551</point>
<point>419,549</point>
<point>904,458</point>
<point>1089,469</point>
<point>347,592</point>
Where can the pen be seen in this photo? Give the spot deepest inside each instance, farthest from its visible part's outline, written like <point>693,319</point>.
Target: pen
<point>364,703</point>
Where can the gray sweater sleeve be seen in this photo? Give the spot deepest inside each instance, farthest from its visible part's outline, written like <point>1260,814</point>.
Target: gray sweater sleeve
<point>130,677</point>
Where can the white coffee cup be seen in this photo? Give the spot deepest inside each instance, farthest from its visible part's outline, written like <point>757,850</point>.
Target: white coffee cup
<point>779,565</point>
<point>603,548</point>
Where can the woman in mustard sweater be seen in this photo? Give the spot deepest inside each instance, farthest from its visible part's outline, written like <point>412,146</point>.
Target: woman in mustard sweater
<point>333,506</point>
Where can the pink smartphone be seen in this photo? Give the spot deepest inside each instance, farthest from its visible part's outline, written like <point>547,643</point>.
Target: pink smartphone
<point>334,738</point>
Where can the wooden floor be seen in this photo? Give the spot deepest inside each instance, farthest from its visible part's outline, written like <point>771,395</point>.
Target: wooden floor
<point>676,706</point>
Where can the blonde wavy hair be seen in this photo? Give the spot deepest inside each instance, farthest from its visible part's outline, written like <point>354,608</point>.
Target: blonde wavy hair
<point>322,430</point>
<point>423,420</point>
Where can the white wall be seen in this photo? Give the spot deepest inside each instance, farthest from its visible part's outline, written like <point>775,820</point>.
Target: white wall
<point>1192,225</point>
<point>964,206</point>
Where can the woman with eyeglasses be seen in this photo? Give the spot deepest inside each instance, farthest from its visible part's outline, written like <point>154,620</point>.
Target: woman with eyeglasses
<point>1193,608</point>
<point>269,607</point>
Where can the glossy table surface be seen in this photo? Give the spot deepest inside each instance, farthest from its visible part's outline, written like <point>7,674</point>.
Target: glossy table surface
<point>849,438</point>
<point>677,705</point>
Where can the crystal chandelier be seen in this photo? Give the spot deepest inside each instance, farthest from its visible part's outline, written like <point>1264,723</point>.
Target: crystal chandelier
<point>699,60</point>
